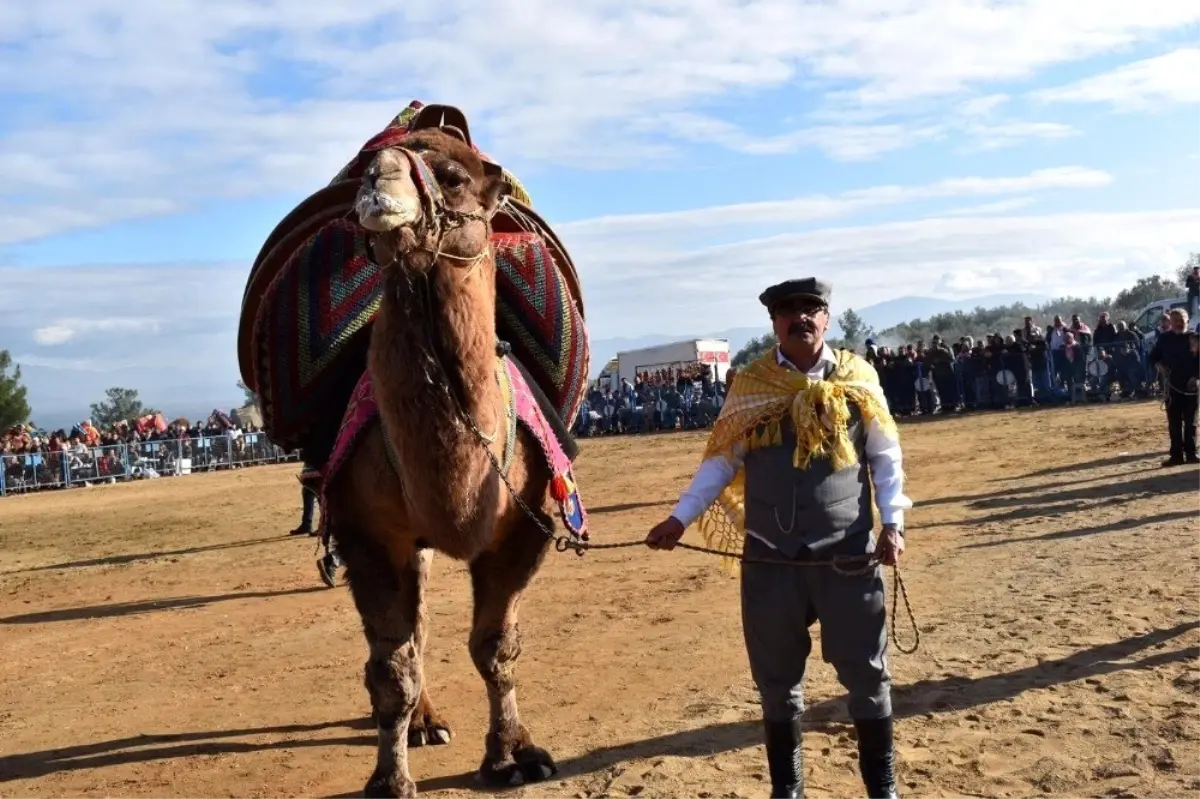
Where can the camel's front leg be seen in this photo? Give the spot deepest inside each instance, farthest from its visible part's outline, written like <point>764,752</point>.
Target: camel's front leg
<point>498,578</point>
<point>389,602</point>
<point>427,725</point>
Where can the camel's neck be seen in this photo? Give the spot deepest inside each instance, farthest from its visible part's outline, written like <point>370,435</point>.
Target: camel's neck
<point>433,360</point>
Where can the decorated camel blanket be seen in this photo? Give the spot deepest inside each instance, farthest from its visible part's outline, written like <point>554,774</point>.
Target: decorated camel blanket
<point>313,294</point>
<point>362,413</point>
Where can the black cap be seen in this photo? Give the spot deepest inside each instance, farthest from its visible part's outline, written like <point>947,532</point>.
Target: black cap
<point>809,288</point>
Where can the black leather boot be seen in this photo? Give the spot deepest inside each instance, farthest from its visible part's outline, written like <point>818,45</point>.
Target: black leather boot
<point>785,759</point>
<point>875,757</point>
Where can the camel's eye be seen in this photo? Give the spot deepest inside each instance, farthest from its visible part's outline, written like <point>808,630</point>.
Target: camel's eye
<point>452,175</point>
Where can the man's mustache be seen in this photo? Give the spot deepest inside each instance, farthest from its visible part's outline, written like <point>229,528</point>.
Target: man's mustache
<point>800,328</point>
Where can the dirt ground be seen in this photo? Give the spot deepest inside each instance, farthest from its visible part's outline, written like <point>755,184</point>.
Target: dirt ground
<point>166,638</point>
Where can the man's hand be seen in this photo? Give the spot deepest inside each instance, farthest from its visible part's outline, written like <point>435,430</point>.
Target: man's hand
<point>890,545</point>
<point>666,534</point>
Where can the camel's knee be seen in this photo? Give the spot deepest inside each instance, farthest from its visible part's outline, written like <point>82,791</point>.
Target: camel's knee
<point>495,654</point>
<point>393,680</point>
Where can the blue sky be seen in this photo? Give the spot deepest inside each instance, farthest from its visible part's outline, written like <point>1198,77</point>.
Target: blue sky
<point>689,153</point>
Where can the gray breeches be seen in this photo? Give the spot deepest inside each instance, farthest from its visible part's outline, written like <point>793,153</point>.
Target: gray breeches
<point>779,602</point>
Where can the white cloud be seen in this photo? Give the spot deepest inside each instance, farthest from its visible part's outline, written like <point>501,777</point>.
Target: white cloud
<point>54,334</point>
<point>983,105</point>
<point>1170,79</point>
<point>111,114</point>
<point>998,207</point>
<point>1056,254</point>
<point>865,142</point>
<point>1010,134</point>
<point>63,330</point>
<point>844,142</point>
<point>804,209</point>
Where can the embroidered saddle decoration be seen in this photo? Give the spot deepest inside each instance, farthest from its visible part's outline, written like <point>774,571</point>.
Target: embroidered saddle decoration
<point>521,408</point>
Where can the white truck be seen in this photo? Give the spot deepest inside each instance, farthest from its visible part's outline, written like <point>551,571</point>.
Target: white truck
<point>676,355</point>
<point>1147,319</point>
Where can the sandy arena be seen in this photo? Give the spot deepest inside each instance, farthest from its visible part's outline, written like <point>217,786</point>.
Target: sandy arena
<point>166,638</point>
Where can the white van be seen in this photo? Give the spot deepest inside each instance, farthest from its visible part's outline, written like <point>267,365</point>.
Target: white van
<point>1147,320</point>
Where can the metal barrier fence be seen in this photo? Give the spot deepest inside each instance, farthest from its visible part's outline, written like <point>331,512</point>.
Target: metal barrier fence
<point>23,472</point>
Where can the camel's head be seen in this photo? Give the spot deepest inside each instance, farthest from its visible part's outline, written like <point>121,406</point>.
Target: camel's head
<point>433,195</point>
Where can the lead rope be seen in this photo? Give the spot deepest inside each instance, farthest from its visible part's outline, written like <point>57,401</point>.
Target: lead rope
<point>854,566</point>
<point>562,543</point>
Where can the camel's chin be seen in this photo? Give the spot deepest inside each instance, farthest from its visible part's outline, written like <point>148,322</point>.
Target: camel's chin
<point>394,245</point>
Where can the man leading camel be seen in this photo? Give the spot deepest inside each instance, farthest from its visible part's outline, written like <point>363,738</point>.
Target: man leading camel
<point>801,440</point>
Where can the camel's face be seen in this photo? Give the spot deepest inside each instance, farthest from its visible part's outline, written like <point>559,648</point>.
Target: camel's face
<point>395,203</point>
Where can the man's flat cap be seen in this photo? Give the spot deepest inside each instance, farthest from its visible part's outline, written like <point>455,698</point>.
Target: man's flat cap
<point>809,288</point>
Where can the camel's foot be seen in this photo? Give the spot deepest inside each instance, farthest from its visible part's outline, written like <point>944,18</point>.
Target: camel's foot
<point>528,764</point>
<point>384,785</point>
<point>427,727</point>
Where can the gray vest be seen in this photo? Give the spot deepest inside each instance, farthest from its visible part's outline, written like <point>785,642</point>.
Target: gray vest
<point>817,511</point>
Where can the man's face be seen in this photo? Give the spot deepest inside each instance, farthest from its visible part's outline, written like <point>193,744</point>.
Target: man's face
<point>1178,324</point>
<point>800,320</point>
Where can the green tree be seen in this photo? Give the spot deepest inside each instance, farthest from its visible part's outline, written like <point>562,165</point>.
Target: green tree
<point>14,408</point>
<point>854,330</point>
<point>250,398</point>
<point>1192,262</point>
<point>119,404</point>
<point>753,348</point>
<point>1144,292</point>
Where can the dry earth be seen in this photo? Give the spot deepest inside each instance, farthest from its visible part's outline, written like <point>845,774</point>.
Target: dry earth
<point>165,638</point>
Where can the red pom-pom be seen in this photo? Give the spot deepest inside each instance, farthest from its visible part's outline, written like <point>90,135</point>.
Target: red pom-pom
<point>558,488</point>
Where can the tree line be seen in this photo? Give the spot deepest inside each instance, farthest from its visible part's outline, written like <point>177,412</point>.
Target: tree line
<point>1001,319</point>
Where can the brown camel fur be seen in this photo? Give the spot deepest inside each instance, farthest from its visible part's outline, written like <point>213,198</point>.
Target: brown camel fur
<point>432,357</point>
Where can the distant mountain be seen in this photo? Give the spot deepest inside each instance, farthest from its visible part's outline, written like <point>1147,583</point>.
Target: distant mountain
<point>879,316</point>
<point>889,313</point>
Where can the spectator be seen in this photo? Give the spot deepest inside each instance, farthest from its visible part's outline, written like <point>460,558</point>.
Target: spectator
<point>1175,360</point>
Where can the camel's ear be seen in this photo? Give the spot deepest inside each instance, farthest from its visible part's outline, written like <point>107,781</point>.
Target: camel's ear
<point>495,189</point>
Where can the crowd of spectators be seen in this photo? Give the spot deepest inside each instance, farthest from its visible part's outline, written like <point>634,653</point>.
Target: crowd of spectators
<point>683,396</point>
<point>147,447</point>
<point>1067,362</point>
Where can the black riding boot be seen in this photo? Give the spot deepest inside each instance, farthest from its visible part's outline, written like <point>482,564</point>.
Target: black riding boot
<point>875,758</point>
<point>785,759</point>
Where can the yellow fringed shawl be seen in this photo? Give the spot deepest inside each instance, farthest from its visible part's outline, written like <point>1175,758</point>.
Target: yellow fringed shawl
<point>761,394</point>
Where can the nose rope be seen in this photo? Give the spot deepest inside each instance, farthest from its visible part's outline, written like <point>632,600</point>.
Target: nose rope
<point>438,219</point>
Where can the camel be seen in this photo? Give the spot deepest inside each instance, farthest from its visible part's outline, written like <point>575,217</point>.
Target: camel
<point>426,479</point>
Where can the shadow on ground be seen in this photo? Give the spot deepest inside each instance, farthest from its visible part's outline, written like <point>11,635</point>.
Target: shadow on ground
<point>927,696</point>
<point>120,560</point>
<point>147,606</point>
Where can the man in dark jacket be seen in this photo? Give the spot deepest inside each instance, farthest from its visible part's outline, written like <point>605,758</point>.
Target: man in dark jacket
<point>1192,282</point>
<point>1173,357</point>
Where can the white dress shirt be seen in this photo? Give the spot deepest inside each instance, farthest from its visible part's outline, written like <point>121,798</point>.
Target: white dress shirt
<point>883,456</point>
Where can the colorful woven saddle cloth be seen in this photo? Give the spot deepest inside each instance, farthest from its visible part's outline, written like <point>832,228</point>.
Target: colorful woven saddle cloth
<point>522,408</point>
<point>313,293</point>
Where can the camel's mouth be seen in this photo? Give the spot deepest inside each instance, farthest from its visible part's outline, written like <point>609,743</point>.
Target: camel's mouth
<point>380,212</point>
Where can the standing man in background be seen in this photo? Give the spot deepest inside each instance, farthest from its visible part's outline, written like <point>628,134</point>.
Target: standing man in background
<point>1172,356</point>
